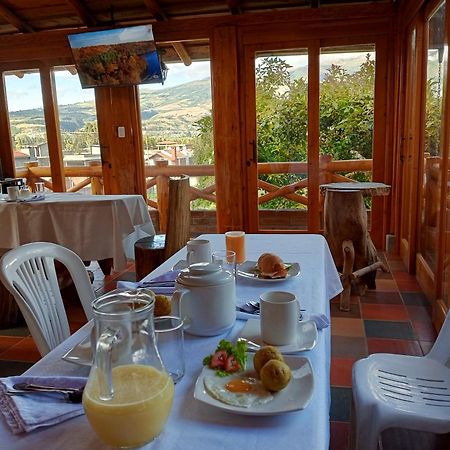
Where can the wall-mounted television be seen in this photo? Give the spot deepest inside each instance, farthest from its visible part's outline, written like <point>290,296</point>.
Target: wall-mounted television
<point>117,57</point>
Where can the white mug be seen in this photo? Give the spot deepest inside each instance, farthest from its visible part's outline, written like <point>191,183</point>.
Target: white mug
<point>279,317</point>
<point>13,192</point>
<point>198,250</point>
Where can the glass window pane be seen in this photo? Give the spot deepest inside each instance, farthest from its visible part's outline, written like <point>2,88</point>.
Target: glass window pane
<point>78,126</point>
<point>282,142</point>
<point>432,166</point>
<point>177,129</point>
<point>26,117</point>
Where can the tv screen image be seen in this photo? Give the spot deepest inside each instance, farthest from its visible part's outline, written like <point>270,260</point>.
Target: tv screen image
<point>118,57</point>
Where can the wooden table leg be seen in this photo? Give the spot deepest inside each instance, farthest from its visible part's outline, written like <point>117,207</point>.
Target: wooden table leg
<point>106,265</point>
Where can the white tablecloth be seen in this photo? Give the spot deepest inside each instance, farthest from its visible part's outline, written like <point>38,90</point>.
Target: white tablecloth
<point>95,227</point>
<point>195,426</point>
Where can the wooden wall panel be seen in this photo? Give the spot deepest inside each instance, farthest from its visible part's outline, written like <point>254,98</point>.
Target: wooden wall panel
<point>122,157</point>
<point>51,115</point>
<point>227,130</point>
<point>313,137</point>
<point>6,149</point>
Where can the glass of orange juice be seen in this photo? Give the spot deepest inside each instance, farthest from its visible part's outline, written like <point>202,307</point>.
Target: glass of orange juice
<point>235,241</point>
<point>129,394</point>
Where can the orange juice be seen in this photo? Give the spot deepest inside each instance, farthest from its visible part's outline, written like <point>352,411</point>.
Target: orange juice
<point>139,409</point>
<point>235,241</point>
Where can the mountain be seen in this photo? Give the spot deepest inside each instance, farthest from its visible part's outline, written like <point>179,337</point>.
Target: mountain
<point>169,111</point>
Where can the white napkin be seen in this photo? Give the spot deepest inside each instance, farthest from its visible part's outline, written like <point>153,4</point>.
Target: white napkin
<point>321,320</point>
<point>152,284</point>
<point>32,198</point>
<point>26,412</point>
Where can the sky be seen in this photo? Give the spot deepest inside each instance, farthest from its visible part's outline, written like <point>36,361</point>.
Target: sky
<point>25,93</point>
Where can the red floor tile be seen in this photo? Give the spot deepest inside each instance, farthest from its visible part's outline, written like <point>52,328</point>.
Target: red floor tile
<point>386,285</point>
<point>424,330</point>
<point>406,282</point>
<point>7,342</point>
<point>25,350</point>
<point>384,312</point>
<point>397,346</point>
<point>339,436</point>
<point>341,326</point>
<point>341,371</point>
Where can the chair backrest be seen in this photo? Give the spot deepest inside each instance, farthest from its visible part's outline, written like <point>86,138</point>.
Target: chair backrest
<point>441,347</point>
<point>29,273</point>
<point>179,215</point>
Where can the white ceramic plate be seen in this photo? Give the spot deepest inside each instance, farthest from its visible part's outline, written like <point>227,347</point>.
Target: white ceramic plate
<point>306,336</point>
<point>248,270</point>
<point>81,353</point>
<point>180,265</point>
<point>294,397</point>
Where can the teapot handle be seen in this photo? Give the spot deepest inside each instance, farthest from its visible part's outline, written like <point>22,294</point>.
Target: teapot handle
<point>180,312</point>
<point>103,356</point>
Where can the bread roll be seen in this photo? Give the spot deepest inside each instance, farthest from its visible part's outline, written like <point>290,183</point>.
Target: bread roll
<point>271,266</point>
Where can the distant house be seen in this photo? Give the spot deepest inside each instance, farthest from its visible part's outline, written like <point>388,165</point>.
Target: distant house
<point>177,154</point>
<point>21,158</point>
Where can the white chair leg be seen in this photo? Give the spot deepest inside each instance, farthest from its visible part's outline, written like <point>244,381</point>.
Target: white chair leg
<point>367,430</point>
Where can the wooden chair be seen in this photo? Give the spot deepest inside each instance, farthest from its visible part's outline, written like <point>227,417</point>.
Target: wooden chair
<point>152,251</point>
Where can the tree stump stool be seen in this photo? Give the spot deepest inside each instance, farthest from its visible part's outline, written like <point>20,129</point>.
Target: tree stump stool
<point>347,234</point>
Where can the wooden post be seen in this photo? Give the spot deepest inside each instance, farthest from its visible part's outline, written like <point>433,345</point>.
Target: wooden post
<point>96,182</point>
<point>162,192</point>
<point>31,179</point>
<point>348,252</point>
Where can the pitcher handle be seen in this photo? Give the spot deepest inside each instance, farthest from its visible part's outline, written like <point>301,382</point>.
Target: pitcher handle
<point>177,298</point>
<point>103,362</point>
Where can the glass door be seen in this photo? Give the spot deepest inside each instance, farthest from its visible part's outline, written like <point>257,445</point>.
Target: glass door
<point>311,121</point>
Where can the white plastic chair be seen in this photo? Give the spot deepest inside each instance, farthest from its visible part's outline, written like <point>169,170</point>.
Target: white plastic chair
<point>29,273</point>
<point>403,391</point>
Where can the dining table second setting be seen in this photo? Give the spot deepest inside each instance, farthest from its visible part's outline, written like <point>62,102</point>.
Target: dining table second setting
<point>237,354</point>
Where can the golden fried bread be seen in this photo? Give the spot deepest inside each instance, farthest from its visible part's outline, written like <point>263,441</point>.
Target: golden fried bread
<point>271,266</point>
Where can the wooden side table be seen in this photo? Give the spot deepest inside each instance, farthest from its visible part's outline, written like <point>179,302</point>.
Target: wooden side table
<point>347,234</point>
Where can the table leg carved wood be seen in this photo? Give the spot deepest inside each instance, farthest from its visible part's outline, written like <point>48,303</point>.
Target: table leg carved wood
<point>347,234</point>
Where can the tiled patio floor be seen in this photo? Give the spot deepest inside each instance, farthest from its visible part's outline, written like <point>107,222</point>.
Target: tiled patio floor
<point>394,318</point>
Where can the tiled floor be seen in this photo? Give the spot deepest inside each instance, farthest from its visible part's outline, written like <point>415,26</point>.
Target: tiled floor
<point>394,318</point>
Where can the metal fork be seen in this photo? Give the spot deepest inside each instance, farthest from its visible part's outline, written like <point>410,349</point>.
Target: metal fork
<point>253,307</point>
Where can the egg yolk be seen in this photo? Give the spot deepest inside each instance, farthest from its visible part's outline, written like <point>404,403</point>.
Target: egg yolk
<point>241,385</point>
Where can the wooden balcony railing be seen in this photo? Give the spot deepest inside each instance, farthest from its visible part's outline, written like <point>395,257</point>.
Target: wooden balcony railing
<point>158,175</point>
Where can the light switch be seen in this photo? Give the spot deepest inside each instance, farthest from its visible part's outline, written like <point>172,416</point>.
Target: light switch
<point>121,132</point>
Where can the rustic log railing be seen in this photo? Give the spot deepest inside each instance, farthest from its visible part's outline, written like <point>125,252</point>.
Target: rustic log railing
<point>158,175</point>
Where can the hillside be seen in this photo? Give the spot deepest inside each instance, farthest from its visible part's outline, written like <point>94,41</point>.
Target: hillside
<point>170,111</point>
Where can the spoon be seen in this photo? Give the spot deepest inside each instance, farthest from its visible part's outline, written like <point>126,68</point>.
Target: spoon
<point>71,394</point>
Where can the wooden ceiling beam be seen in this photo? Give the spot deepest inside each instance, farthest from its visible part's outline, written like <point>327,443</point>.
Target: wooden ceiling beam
<point>234,6</point>
<point>14,20</point>
<point>83,13</point>
<point>160,15</point>
<point>156,10</point>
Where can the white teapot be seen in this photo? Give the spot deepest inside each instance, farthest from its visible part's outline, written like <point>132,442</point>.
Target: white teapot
<point>205,298</point>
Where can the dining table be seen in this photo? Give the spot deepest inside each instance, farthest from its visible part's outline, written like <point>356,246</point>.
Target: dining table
<point>96,227</point>
<point>196,425</point>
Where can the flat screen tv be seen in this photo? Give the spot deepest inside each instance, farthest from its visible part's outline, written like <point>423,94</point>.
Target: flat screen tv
<point>118,57</point>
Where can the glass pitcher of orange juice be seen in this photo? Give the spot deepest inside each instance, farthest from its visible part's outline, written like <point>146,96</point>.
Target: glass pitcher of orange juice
<point>128,395</point>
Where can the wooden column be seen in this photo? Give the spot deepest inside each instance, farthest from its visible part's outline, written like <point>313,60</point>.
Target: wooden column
<point>230,182</point>
<point>120,134</point>
<point>162,191</point>
<point>53,128</point>
<point>6,149</point>
<point>96,182</point>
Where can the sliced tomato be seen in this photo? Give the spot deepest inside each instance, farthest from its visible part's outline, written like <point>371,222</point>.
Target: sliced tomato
<point>218,360</point>
<point>231,365</point>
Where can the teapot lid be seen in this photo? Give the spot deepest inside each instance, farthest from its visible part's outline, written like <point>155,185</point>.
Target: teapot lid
<point>204,274</point>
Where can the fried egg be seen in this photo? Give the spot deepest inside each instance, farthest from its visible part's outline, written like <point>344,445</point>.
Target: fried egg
<point>239,391</point>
